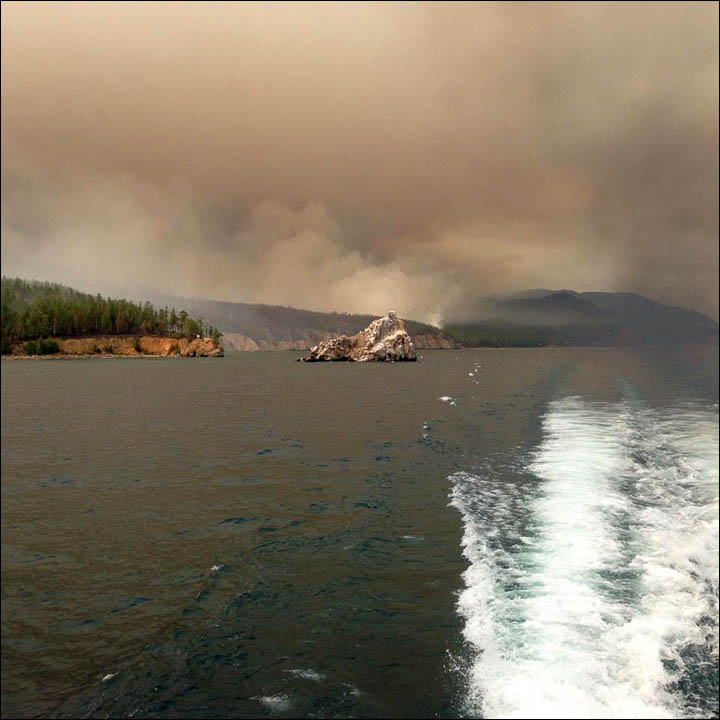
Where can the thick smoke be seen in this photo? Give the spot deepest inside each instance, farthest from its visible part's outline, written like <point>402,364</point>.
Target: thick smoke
<point>360,157</point>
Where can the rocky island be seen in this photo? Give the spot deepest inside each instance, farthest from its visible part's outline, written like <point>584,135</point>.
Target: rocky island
<point>384,340</point>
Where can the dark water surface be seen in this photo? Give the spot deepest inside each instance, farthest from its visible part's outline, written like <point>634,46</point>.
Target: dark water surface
<point>508,533</point>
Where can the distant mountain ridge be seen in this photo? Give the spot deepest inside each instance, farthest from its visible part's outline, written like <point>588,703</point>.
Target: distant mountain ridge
<point>529,318</point>
<point>567,317</point>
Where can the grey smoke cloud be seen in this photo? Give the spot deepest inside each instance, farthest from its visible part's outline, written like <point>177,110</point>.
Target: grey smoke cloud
<point>361,156</point>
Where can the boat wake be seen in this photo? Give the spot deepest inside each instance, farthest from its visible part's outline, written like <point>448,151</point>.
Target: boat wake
<point>592,588</point>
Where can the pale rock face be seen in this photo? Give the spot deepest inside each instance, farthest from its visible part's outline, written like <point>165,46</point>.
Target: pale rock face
<point>384,340</point>
<point>200,347</point>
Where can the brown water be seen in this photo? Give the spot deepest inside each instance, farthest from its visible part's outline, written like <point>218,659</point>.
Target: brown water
<point>253,536</point>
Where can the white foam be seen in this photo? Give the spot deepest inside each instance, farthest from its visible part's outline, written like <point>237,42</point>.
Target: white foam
<point>354,690</point>
<point>556,631</point>
<point>677,544</point>
<point>275,703</point>
<point>307,674</point>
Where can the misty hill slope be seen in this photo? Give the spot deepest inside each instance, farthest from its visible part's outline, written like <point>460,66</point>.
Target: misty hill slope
<point>250,326</point>
<point>566,317</point>
<point>651,321</point>
<point>560,308</point>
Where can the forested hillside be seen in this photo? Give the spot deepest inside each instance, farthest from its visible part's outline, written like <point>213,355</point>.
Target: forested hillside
<point>31,310</point>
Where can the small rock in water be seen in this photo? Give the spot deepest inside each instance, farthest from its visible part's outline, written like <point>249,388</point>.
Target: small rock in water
<point>385,339</point>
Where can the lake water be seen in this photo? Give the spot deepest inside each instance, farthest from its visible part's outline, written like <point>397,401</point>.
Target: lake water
<point>500,533</point>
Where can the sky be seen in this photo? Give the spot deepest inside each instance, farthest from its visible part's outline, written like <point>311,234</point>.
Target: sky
<point>362,157</point>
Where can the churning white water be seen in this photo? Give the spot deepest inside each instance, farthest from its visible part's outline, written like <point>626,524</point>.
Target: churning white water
<point>592,585</point>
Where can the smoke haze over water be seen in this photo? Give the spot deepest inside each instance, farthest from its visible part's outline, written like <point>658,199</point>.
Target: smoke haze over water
<point>359,157</point>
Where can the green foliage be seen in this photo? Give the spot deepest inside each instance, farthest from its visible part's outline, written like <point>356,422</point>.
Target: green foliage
<point>30,310</point>
<point>41,347</point>
<point>47,347</point>
<point>192,328</point>
<point>215,335</point>
<point>108,348</point>
<point>137,345</point>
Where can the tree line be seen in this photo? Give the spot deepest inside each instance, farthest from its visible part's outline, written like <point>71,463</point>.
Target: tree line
<point>30,310</point>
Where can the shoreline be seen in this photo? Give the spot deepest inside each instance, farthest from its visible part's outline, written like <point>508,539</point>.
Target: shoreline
<point>98,356</point>
<point>108,346</point>
<point>143,356</point>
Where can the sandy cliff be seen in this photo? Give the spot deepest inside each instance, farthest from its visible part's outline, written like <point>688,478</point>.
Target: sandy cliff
<point>125,345</point>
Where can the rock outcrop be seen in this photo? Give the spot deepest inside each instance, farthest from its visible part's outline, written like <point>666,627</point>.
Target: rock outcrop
<point>200,347</point>
<point>437,341</point>
<point>384,340</point>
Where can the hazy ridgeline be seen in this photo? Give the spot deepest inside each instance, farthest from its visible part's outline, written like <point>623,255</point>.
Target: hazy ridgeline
<point>546,317</point>
<point>273,323</point>
<point>529,319</point>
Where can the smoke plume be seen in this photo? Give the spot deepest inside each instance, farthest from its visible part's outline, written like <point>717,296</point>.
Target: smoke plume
<point>362,156</point>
